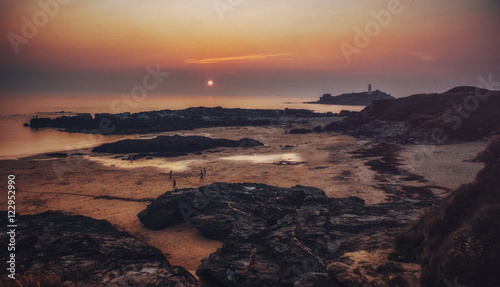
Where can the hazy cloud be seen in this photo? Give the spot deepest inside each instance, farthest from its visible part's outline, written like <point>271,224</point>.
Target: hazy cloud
<point>242,59</point>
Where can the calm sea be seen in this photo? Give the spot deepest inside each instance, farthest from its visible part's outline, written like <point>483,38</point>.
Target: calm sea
<point>17,141</point>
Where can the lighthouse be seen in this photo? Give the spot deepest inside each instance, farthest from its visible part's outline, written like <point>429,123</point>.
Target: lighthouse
<point>369,89</point>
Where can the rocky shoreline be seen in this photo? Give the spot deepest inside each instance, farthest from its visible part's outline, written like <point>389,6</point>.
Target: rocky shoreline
<point>303,237</point>
<point>173,120</point>
<point>460,114</point>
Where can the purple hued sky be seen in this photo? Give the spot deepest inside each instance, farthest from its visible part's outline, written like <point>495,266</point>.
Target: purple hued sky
<point>293,47</point>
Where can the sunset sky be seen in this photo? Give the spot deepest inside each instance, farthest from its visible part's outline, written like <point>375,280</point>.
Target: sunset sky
<point>247,47</point>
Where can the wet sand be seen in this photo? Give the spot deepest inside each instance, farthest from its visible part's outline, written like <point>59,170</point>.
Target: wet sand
<point>77,184</point>
<point>445,165</point>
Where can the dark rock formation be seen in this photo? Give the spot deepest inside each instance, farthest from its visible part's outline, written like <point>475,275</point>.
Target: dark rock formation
<point>57,154</point>
<point>457,243</point>
<point>170,146</point>
<point>370,128</point>
<point>385,160</point>
<point>492,151</point>
<point>346,113</point>
<point>171,120</point>
<point>300,131</point>
<point>353,99</point>
<point>460,114</point>
<point>298,231</point>
<point>317,129</point>
<point>83,251</point>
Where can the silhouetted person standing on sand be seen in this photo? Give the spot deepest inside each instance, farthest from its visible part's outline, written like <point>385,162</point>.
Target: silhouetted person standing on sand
<point>201,176</point>
<point>174,183</point>
<point>253,254</point>
<point>204,172</point>
<point>170,174</point>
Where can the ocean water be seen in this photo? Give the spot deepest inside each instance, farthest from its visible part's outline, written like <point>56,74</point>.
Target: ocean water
<point>17,141</point>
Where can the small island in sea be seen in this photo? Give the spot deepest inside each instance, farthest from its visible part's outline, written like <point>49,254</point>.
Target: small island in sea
<point>354,99</point>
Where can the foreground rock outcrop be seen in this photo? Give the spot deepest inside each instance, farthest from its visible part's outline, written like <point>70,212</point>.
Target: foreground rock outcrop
<point>458,243</point>
<point>460,114</point>
<point>171,146</point>
<point>301,234</point>
<point>82,251</point>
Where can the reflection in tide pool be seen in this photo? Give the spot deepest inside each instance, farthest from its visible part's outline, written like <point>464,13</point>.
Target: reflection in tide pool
<point>160,163</point>
<point>184,165</point>
<point>265,158</point>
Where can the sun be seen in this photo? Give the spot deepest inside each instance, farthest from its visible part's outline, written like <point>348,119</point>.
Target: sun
<point>210,83</point>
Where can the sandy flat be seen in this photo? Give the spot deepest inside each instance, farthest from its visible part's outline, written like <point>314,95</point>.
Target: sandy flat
<point>445,165</point>
<point>74,185</point>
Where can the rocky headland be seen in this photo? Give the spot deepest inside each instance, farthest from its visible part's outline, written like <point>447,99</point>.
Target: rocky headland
<point>172,120</point>
<point>460,114</point>
<point>353,99</point>
<point>74,250</point>
<point>457,243</point>
<point>171,146</point>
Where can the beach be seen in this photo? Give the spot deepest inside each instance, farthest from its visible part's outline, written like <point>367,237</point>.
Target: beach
<point>110,188</point>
